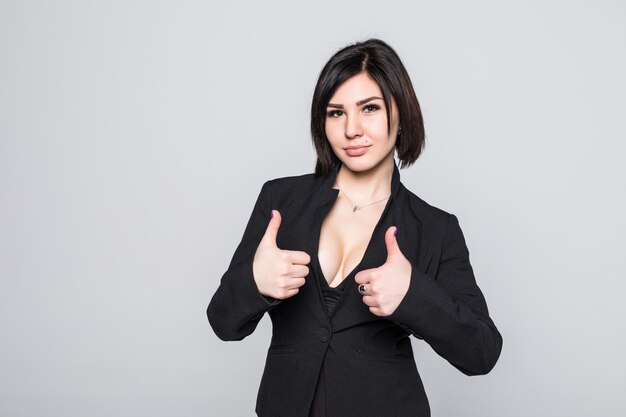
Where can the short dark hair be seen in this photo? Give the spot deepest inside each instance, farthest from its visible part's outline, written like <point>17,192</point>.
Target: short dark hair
<point>383,65</point>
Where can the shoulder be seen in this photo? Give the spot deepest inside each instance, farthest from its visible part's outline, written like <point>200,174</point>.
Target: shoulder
<point>293,182</point>
<point>423,207</point>
<point>293,188</point>
<point>425,213</point>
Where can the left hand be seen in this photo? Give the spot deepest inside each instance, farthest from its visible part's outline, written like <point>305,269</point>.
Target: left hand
<point>386,286</point>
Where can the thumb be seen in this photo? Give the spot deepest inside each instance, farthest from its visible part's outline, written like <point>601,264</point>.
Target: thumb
<point>269,238</point>
<point>393,250</point>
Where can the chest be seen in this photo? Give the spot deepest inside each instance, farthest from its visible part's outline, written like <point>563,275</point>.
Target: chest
<point>344,238</point>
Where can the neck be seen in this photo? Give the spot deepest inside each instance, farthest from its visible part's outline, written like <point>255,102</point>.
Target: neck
<point>366,186</point>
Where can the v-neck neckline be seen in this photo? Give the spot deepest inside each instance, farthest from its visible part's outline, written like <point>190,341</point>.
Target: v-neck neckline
<point>365,253</point>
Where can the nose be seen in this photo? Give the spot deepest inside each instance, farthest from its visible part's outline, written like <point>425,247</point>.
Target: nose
<point>353,127</point>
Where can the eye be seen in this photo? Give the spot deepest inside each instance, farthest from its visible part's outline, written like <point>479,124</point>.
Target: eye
<point>334,113</point>
<point>371,108</point>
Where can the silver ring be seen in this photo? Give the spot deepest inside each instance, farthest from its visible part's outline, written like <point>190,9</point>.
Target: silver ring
<point>362,289</point>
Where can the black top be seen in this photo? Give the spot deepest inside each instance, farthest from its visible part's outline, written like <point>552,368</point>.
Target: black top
<point>331,294</point>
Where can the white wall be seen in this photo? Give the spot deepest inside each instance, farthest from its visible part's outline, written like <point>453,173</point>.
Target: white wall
<point>135,136</point>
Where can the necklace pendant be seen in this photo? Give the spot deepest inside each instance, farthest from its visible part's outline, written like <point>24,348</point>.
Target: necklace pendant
<point>355,208</point>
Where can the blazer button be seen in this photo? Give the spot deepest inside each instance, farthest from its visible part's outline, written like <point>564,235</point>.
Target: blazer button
<point>323,335</point>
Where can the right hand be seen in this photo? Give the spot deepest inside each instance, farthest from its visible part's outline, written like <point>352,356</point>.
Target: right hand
<point>278,273</point>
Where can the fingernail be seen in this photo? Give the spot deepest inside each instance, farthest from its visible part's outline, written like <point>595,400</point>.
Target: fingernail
<point>395,230</point>
<point>272,214</point>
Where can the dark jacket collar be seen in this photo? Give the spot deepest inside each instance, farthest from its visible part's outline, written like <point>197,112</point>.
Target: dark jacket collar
<point>328,193</point>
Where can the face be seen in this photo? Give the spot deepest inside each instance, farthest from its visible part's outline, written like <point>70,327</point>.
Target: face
<point>356,123</point>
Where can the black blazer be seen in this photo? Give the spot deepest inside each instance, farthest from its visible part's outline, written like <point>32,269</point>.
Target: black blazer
<point>368,360</point>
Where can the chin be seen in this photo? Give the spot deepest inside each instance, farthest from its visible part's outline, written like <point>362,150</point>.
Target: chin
<point>360,164</point>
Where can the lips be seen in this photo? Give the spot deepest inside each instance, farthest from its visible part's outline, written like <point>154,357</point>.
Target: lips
<point>356,150</point>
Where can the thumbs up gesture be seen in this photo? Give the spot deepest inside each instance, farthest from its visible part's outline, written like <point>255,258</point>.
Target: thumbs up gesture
<point>386,286</point>
<point>278,273</point>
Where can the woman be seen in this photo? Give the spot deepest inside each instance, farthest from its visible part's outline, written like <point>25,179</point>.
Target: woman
<point>348,263</point>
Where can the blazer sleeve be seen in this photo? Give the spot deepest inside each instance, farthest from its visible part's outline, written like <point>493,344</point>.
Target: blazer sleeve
<point>237,305</point>
<point>450,312</point>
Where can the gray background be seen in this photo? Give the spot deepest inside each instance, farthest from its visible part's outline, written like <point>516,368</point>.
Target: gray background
<point>135,137</point>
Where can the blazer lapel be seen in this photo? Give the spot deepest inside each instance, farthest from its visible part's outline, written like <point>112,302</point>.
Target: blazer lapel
<point>350,309</point>
<point>321,203</point>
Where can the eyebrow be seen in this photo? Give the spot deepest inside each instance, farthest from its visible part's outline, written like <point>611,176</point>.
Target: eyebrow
<point>358,103</point>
